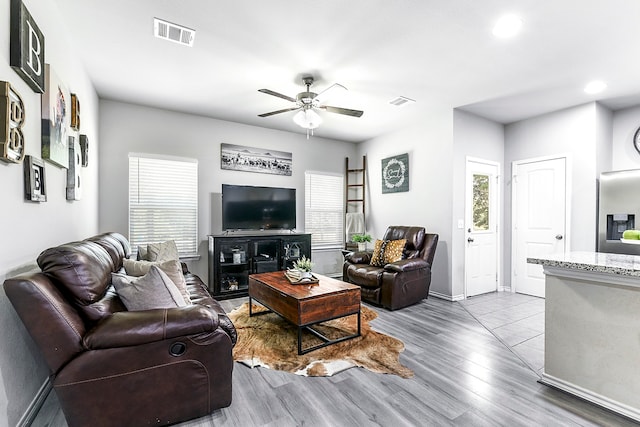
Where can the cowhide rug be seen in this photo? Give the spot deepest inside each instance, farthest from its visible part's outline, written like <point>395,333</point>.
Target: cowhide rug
<point>270,341</point>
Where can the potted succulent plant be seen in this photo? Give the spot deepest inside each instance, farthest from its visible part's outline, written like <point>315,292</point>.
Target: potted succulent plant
<point>361,240</point>
<point>304,266</point>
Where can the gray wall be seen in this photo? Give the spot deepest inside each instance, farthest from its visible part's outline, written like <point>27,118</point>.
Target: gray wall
<point>625,124</point>
<point>126,128</point>
<point>428,202</point>
<point>480,138</point>
<point>572,132</point>
<point>28,228</point>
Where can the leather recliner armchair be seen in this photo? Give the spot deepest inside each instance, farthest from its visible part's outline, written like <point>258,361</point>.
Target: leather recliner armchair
<point>113,367</point>
<point>398,284</point>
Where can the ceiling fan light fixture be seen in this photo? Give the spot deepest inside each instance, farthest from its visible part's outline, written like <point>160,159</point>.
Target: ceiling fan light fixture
<point>307,119</point>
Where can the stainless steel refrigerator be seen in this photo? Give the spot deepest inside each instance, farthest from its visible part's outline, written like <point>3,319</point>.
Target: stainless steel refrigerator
<point>618,210</point>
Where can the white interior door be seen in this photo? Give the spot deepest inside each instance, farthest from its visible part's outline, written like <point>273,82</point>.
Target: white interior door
<point>481,219</point>
<point>539,219</point>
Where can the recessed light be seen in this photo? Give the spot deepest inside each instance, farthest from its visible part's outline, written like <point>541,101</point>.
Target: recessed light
<point>595,86</point>
<point>507,26</point>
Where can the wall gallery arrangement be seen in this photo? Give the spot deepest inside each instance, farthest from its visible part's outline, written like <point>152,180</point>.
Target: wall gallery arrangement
<point>60,113</point>
<point>250,159</point>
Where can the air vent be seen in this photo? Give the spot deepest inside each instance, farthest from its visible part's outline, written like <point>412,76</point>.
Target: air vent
<point>173,32</point>
<point>401,100</point>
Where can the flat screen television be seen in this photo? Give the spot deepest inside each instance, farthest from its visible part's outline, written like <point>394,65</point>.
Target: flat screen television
<point>258,208</point>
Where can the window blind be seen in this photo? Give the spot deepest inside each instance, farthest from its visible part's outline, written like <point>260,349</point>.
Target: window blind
<point>163,202</point>
<point>324,206</point>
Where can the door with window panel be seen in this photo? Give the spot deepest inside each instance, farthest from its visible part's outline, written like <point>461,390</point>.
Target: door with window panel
<point>481,254</point>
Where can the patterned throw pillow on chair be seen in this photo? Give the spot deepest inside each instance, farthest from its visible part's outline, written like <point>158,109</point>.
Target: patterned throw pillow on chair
<point>386,251</point>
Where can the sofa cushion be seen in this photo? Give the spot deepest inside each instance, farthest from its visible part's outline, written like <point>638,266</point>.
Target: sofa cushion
<point>364,275</point>
<point>143,254</point>
<point>414,236</point>
<point>116,245</point>
<point>387,251</point>
<point>81,269</point>
<point>171,268</point>
<point>162,251</point>
<point>153,290</point>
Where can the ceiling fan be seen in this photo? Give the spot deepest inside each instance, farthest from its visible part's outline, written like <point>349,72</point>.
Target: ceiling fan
<point>307,102</point>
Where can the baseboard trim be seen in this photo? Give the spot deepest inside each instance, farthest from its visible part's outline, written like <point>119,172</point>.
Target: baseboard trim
<point>446,297</point>
<point>34,407</point>
<point>605,402</point>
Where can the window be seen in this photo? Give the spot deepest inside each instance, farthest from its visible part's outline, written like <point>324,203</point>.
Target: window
<point>163,202</point>
<point>324,209</point>
<point>481,202</point>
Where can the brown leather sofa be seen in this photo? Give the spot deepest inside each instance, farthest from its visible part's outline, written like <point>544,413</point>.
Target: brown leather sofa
<point>397,284</point>
<point>113,367</point>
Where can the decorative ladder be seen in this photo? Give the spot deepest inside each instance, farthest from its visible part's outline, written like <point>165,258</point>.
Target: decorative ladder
<point>355,179</point>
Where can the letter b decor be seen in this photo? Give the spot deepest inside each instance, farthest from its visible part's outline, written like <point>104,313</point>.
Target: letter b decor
<point>27,47</point>
<point>11,121</point>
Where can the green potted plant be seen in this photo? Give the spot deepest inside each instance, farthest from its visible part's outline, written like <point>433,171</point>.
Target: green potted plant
<point>304,266</point>
<point>361,240</point>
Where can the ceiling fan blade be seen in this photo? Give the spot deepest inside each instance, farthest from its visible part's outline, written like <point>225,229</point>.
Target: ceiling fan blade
<point>332,90</point>
<point>278,112</point>
<point>279,95</point>
<point>345,111</point>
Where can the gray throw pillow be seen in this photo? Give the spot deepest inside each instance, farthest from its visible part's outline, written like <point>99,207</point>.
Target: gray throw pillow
<point>142,252</point>
<point>162,251</point>
<point>153,290</point>
<point>172,268</point>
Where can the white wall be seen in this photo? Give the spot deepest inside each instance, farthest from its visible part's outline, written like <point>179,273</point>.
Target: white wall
<point>625,124</point>
<point>476,137</point>
<point>126,128</point>
<point>573,132</point>
<point>604,139</point>
<point>428,201</point>
<point>28,228</point>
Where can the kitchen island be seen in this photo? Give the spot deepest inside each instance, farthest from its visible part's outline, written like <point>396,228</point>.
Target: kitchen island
<point>592,328</point>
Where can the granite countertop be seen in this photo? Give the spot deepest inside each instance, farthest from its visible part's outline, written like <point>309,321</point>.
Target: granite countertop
<point>623,265</point>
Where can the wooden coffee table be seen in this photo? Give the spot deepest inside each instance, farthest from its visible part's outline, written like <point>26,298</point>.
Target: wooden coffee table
<point>306,305</point>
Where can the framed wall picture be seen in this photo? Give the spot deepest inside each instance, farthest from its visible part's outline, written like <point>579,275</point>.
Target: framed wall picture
<point>27,47</point>
<point>249,159</point>
<point>395,174</point>
<point>11,120</point>
<point>75,112</point>
<point>84,150</point>
<point>56,112</point>
<point>35,188</point>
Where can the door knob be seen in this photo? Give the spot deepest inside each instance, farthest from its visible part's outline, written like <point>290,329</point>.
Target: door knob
<point>470,239</point>
<point>558,236</point>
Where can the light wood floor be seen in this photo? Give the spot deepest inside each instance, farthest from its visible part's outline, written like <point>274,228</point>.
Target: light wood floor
<point>476,363</point>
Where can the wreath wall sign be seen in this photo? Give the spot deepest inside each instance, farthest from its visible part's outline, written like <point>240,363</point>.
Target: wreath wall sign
<point>395,174</point>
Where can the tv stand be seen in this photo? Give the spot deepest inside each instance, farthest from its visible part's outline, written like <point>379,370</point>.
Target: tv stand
<point>232,257</point>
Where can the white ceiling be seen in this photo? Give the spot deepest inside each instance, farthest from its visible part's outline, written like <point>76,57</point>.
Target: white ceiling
<point>439,52</point>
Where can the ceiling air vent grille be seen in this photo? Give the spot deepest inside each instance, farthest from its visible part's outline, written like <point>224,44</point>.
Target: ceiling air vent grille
<point>173,32</point>
<point>401,100</point>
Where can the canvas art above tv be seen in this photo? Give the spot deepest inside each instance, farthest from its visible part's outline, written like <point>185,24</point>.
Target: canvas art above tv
<point>258,208</point>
